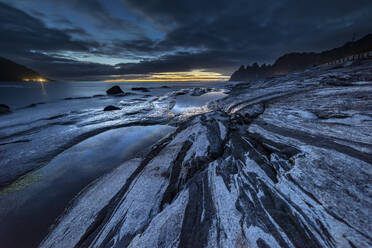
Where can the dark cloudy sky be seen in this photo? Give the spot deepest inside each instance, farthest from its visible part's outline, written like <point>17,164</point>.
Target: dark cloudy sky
<point>102,39</point>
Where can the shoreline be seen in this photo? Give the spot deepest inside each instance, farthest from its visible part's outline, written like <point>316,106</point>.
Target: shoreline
<point>261,165</point>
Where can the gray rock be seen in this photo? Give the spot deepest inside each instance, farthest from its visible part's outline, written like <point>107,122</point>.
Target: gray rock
<point>273,166</point>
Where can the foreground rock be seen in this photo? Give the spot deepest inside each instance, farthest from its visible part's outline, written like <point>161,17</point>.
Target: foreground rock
<point>115,90</point>
<point>284,162</point>
<point>111,108</point>
<point>4,109</point>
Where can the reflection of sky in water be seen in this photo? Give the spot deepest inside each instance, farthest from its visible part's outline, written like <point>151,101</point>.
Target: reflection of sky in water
<point>186,102</point>
<point>41,196</point>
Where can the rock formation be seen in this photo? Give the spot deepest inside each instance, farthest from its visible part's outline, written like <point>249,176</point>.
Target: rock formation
<point>284,162</point>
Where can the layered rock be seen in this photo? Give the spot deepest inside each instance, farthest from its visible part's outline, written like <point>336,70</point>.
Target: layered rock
<point>279,163</point>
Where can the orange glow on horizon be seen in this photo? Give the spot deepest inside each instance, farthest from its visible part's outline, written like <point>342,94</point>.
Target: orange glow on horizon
<point>191,76</point>
<point>162,80</point>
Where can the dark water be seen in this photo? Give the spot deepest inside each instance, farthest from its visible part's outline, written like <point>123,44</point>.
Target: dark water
<point>32,204</point>
<point>21,94</point>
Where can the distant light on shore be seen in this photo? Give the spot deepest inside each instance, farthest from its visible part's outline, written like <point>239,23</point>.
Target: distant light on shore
<point>39,80</point>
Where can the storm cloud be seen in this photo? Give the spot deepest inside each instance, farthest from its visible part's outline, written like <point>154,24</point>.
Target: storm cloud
<point>126,37</point>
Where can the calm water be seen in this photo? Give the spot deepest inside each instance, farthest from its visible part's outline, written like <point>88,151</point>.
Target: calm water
<point>31,205</point>
<point>21,94</point>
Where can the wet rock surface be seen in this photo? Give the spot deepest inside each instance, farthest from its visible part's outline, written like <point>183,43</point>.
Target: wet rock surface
<point>283,162</point>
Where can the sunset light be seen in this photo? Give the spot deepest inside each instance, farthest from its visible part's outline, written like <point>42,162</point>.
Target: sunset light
<point>191,76</point>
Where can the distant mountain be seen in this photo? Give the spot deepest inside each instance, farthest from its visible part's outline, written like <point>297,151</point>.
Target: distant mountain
<point>298,61</point>
<point>11,71</point>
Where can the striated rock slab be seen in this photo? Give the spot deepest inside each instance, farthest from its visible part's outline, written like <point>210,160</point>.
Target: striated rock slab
<point>284,162</point>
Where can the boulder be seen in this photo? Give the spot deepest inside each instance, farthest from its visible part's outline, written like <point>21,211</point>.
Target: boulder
<point>200,91</point>
<point>181,92</point>
<point>111,108</point>
<point>4,109</point>
<point>115,90</point>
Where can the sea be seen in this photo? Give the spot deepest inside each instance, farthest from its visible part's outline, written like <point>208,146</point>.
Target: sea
<point>22,94</point>
<point>58,140</point>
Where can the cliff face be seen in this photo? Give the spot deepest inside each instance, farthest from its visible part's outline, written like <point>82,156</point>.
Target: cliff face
<point>280,163</point>
<point>11,71</point>
<point>299,61</point>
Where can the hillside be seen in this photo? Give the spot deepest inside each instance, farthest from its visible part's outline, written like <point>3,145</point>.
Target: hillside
<point>11,71</point>
<point>298,61</point>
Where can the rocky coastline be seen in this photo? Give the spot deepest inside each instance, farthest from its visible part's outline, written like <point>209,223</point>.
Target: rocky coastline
<point>280,162</point>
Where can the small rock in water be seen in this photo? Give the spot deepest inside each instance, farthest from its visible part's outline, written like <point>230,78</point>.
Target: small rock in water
<point>200,91</point>
<point>143,89</point>
<point>4,109</point>
<point>32,105</point>
<point>111,108</point>
<point>114,90</point>
<point>181,92</point>
<point>165,87</point>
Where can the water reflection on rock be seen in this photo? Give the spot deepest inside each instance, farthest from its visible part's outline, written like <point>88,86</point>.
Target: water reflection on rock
<point>30,205</point>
